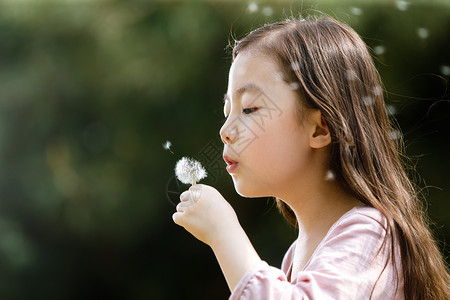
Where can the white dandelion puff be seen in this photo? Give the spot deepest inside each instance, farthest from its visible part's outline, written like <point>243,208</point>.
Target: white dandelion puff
<point>351,75</point>
<point>368,100</point>
<point>267,11</point>
<point>356,11</point>
<point>391,109</point>
<point>252,7</point>
<point>330,175</point>
<point>294,85</point>
<point>379,50</point>
<point>402,5</point>
<point>423,33</point>
<point>189,171</point>
<point>445,70</point>
<point>167,146</point>
<point>395,134</point>
<point>377,90</point>
<point>295,66</point>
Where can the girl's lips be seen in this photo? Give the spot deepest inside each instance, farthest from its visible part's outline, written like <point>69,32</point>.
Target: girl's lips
<point>231,164</point>
<point>232,167</point>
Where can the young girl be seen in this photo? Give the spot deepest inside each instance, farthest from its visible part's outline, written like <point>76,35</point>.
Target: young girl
<point>306,124</point>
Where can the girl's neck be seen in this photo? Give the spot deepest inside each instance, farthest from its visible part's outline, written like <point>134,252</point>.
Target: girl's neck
<point>316,212</point>
<point>320,207</point>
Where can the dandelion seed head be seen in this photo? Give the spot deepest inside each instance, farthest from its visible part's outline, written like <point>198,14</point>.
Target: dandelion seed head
<point>423,33</point>
<point>356,11</point>
<point>189,171</point>
<point>445,70</point>
<point>379,50</point>
<point>402,5</point>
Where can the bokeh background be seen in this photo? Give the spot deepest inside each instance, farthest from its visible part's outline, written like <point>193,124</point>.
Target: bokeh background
<point>91,90</point>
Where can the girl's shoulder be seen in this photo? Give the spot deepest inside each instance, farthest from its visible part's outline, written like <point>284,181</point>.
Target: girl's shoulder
<point>362,225</point>
<point>358,228</point>
<point>363,214</point>
<point>355,256</point>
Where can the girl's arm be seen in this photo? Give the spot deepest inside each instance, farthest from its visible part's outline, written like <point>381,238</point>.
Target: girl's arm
<point>211,219</point>
<point>235,255</point>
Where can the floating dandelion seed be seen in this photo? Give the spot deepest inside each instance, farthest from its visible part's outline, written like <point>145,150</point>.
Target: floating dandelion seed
<point>356,11</point>
<point>267,11</point>
<point>294,85</point>
<point>402,5</point>
<point>377,90</point>
<point>423,33</point>
<point>368,100</point>
<point>295,66</point>
<point>167,146</point>
<point>252,7</point>
<point>395,134</point>
<point>189,171</point>
<point>379,50</point>
<point>445,70</point>
<point>329,176</point>
<point>351,75</point>
<point>391,109</point>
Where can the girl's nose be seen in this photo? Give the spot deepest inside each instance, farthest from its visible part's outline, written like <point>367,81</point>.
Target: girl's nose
<point>228,134</point>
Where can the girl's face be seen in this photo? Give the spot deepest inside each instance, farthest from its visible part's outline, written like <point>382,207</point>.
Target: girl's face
<point>266,146</point>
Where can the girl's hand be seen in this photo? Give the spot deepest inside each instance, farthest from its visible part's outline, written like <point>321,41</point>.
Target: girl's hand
<point>211,219</point>
<point>205,214</point>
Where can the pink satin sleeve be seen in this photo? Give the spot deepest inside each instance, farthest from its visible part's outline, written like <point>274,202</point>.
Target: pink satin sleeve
<point>347,264</point>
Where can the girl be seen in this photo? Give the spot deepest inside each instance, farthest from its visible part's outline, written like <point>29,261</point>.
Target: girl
<point>306,124</point>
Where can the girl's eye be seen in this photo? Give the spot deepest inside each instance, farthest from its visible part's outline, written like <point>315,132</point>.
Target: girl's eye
<point>249,110</point>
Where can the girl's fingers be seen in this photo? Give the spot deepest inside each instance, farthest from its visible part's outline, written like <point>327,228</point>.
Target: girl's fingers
<point>191,196</point>
<point>183,204</point>
<point>185,196</point>
<point>176,218</point>
<point>185,201</point>
<point>195,192</point>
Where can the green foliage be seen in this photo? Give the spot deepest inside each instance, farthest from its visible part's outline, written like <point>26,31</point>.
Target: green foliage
<point>89,93</point>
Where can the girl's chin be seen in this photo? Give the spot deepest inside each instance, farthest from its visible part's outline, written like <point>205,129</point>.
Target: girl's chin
<point>248,191</point>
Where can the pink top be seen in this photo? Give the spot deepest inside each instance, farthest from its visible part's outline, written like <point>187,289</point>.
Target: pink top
<point>345,265</point>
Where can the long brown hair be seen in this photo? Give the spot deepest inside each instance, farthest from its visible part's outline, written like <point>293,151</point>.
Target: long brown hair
<point>335,73</point>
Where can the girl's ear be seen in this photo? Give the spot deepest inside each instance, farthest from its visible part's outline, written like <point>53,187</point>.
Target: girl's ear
<point>320,134</point>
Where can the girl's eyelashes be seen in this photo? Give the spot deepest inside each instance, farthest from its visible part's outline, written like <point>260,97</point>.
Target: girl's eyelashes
<point>248,111</point>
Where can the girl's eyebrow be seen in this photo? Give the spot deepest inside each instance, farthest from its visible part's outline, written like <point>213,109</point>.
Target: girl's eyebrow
<point>248,87</point>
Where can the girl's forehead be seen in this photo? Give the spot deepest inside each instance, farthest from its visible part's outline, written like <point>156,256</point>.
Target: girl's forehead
<point>254,66</point>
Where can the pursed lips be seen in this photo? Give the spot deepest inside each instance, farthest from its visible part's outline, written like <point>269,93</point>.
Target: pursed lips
<point>231,163</point>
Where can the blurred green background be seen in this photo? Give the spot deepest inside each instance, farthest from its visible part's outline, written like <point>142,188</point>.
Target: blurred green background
<point>91,90</point>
